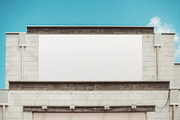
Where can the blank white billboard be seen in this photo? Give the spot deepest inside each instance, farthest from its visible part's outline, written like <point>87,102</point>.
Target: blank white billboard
<point>90,57</point>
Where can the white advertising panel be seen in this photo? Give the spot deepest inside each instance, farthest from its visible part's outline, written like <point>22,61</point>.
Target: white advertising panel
<point>90,57</point>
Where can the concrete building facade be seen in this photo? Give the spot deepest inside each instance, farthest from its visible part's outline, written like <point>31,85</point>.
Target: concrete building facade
<point>155,97</point>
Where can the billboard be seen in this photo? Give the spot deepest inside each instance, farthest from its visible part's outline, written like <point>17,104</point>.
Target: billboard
<point>90,57</point>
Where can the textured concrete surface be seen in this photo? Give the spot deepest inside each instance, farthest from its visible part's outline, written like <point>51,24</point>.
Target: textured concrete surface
<point>89,86</point>
<point>19,98</point>
<point>177,75</point>
<point>89,109</point>
<point>89,30</point>
<point>3,96</point>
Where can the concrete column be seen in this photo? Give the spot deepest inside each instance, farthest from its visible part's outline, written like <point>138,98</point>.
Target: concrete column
<point>4,113</point>
<point>173,112</point>
<point>157,62</point>
<point>22,65</point>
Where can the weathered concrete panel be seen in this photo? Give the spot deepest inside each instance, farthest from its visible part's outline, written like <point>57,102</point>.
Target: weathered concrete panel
<point>89,109</point>
<point>88,86</point>
<point>89,30</point>
<point>91,94</point>
<point>3,96</point>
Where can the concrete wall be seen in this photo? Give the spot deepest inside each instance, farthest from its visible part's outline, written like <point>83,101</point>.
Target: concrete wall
<point>177,85</point>
<point>177,75</point>
<point>88,98</point>
<point>166,58</point>
<point>149,60</point>
<point>1,109</point>
<point>17,99</point>
<point>13,58</point>
<point>84,98</point>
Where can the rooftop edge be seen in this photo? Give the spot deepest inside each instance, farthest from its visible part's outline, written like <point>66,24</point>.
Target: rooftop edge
<point>89,26</point>
<point>90,30</point>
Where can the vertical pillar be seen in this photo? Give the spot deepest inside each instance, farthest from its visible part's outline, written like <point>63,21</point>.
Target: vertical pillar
<point>157,63</point>
<point>173,112</point>
<point>157,44</point>
<point>22,63</point>
<point>22,44</point>
<point>4,113</point>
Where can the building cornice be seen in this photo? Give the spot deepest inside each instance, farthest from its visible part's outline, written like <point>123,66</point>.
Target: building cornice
<point>90,30</point>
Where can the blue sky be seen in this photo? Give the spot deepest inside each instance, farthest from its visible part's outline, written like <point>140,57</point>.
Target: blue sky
<point>16,14</point>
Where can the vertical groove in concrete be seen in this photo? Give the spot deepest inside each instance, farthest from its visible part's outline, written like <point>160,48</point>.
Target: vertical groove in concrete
<point>4,112</point>
<point>157,62</point>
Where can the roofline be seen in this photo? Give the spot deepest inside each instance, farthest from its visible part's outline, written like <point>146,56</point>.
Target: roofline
<point>90,26</point>
<point>17,33</point>
<point>107,81</point>
<point>13,33</point>
<point>64,29</point>
<point>168,33</point>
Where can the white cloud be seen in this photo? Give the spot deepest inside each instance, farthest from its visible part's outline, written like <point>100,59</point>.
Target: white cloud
<point>177,53</point>
<point>176,38</point>
<point>161,27</point>
<point>155,21</point>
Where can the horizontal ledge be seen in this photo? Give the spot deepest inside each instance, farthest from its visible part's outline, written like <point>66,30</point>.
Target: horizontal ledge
<point>12,33</point>
<point>4,104</point>
<point>175,88</point>
<point>176,63</point>
<point>4,90</point>
<point>89,30</point>
<point>89,109</point>
<point>88,85</point>
<point>90,26</point>
<point>89,81</point>
<point>167,33</point>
